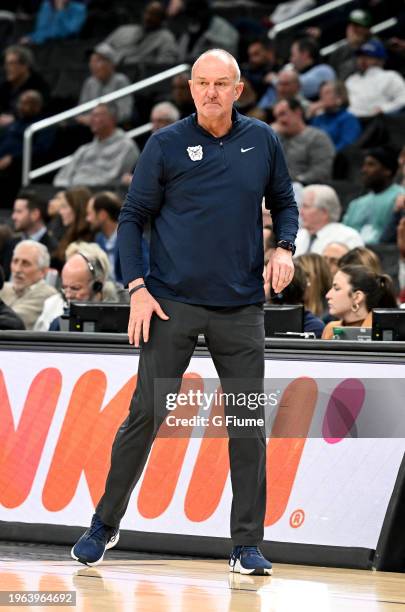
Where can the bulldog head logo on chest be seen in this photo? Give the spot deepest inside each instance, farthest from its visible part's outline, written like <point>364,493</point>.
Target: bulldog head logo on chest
<point>195,153</point>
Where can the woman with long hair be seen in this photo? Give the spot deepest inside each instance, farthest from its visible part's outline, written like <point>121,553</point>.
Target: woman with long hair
<point>355,291</point>
<point>319,282</point>
<point>73,210</point>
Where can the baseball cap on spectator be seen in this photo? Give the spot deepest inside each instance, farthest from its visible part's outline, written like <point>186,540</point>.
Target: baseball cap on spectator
<point>373,48</point>
<point>106,51</point>
<point>386,156</point>
<point>361,18</point>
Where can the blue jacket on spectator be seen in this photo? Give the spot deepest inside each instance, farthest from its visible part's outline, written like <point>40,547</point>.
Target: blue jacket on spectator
<point>51,24</point>
<point>342,127</point>
<point>11,141</point>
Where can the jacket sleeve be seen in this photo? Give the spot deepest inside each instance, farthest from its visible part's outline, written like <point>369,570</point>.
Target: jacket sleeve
<point>144,199</point>
<point>279,197</point>
<point>321,153</point>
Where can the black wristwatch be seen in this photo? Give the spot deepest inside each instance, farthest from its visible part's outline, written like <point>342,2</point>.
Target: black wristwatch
<point>285,244</point>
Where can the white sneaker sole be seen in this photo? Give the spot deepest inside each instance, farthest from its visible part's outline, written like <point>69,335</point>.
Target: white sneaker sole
<point>113,542</point>
<point>239,569</point>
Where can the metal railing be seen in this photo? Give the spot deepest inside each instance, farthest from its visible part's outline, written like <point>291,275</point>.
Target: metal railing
<point>311,14</point>
<point>28,174</point>
<point>376,29</point>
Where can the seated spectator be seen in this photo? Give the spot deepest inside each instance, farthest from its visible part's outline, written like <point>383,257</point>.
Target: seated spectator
<point>286,86</point>
<point>401,248</point>
<point>319,282</point>
<point>7,244</point>
<point>390,232</point>
<point>29,110</point>
<point>27,291</point>
<point>104,80</point>
<point>355,291</point>
<point>161,115</point>
<point>8,318</point>
<point>103,210</point>
<point>181,95</point>
<point>20,76</point>
<point>261,65</point>
<point>56,19</point>
<point>369,214</point>
<point>320,213</point>
<point>332,116</point>
<point>150,42</point>
<point>361,256</point>
<point>305,59</point>
<point>358,32</point>
<point>309,152</point>
<point>29,217</point>
<point>106,159</point>
<point>332,254</point>
<point>372,89</point>
<point>55,225</point>
<point>204,31</point>
<point>294,293</point>
<point>73,209</point>
<point>84,276</point>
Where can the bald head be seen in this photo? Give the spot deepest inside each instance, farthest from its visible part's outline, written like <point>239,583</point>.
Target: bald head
<point>213,57</point>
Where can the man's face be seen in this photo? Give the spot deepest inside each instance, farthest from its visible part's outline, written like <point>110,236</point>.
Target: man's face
<point>180,90</point>
<point>22,217</point>
<point>357,35</point>
<point>258,55</point>
<point>14,69</point>
<point>374,173</point>
<point>332,253</point>
<point>100,67</point>
<point>288,85</point>
<point>299,59</point>
<point>364,62</point>
<point>76,279</point>
<point>214,88</point>
<point>313,218</point>
<point>153,15</point>
<point>159,119</point>
<point>91,216</point>
<point>328,96</point>
<point>24,267</point>
<point>288,120</point>
<point>101,121</point>
<point>27,105</point>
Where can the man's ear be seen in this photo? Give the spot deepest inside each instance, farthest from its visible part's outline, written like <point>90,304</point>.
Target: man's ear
<point>238,89</point>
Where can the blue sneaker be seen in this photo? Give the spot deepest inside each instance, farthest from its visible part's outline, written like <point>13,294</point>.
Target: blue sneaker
<point>249,560</point>
<point>94,542</point>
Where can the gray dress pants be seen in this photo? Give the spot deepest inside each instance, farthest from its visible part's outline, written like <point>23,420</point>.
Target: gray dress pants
<point>235,339</point>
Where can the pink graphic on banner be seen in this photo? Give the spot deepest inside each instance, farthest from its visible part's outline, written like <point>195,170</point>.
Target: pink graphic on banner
<point>343,408</point>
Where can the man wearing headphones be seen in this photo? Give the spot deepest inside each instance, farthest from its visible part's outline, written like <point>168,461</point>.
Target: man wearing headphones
<point>83,279</point>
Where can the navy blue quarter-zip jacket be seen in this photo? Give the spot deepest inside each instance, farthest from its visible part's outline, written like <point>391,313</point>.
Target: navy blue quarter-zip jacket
<point>204,196</point>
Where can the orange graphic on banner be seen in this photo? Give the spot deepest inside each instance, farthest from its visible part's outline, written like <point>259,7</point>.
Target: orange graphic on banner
<point>167,457</point>
<point>210,471</point>
<point>285,447</point>
<point>21,447</point>
<point>85,440</point>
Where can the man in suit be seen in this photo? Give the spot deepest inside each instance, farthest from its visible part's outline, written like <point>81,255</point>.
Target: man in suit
<point>29,216</point>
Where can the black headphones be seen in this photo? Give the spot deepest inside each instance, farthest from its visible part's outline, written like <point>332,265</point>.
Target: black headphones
<point>97,285</point>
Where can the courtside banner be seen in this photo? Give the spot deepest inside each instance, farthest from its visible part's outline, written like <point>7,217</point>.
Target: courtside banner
<point>59,414</point>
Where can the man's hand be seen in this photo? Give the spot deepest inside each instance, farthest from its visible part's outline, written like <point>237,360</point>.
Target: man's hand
<point>280,269</point>
<point>143,305</point>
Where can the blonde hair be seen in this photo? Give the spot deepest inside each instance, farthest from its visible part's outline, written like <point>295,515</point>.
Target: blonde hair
<point>319,281</point>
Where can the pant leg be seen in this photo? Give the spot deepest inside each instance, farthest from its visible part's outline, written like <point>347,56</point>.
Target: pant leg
<point>236,342</point>
<point>165,356</point>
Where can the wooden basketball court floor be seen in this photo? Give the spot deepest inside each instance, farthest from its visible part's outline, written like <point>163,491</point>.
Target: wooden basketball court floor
<point>145,583</point>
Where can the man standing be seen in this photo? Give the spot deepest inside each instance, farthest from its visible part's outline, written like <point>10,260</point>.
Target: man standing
<point>202,179</point>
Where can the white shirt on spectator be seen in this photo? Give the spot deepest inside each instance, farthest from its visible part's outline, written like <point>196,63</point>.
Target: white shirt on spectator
<point>331,232</point>
<point>375,89</point>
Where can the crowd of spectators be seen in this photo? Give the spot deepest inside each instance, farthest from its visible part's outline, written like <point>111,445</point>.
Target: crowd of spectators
<point>339,114</point>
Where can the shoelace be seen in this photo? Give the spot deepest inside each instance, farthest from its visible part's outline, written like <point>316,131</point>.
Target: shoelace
<point>251,550</point>
<point>97,526</point>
